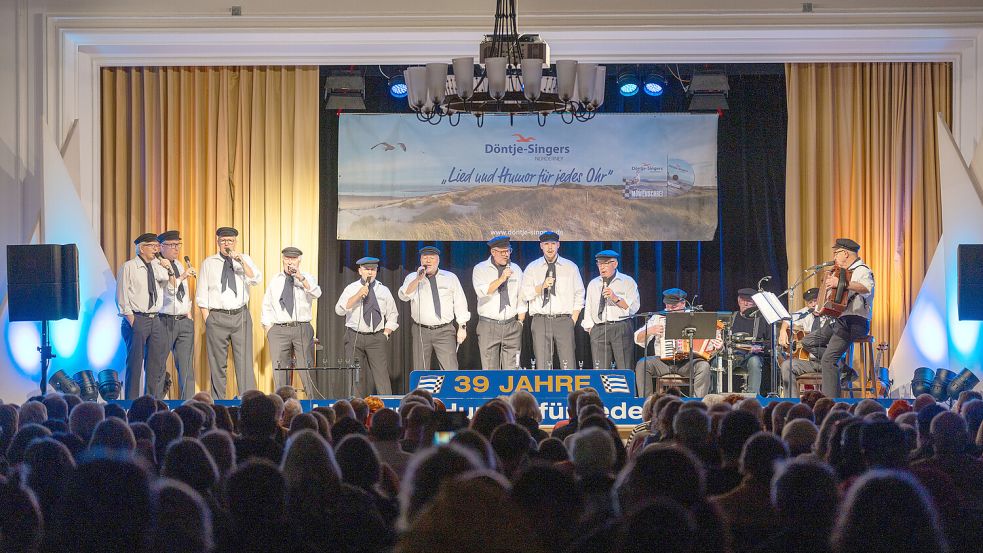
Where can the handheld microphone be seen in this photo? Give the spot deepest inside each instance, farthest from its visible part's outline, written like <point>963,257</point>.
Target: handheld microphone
<point>187,262</point>
<point>821,266</point>
<point>166,266</point>
<point>421,270</point>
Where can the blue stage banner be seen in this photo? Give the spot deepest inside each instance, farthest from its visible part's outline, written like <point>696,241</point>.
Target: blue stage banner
<point>615,385</point>
<point>645,176</point>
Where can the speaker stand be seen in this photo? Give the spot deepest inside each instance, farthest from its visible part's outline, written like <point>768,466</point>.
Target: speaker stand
<point>46,356</point>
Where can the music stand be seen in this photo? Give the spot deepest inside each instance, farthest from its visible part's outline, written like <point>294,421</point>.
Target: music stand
<point>691,325</point>
<point>771,308</point>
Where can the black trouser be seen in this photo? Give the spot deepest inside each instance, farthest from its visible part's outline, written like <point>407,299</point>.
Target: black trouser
<point>145,340</point>
<point>830,342</point>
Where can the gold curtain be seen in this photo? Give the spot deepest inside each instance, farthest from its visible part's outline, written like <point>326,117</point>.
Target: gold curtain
<point>862,163</point>
<point>196,148</point>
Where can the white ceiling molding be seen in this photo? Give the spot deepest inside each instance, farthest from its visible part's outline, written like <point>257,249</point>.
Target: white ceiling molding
<point>79,46</point>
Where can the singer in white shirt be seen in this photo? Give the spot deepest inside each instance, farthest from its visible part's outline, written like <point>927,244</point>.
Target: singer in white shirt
<point>554,290</point>
<point>501,309</point>
<point>370,318</point>
<point>222,296</point>
<point>436,300</point>
<point>286,317</point>
<point>176,316</point>
<point>612,299</point>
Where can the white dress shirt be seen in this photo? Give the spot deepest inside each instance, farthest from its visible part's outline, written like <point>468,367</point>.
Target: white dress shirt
<point>805,317</point>
<point>489,304</point>
<point>354,317</point>
<point>861,305</point>
<point>210,294</point>
<point>453,303</point>
<point>624,287</point>
<point>273,313</point>
<point>173,306</point>
<point>132,293</point>
<point>569,287</point>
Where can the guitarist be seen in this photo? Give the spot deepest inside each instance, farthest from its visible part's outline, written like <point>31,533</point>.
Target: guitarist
<point>830,342</point>
<point>806,321</point>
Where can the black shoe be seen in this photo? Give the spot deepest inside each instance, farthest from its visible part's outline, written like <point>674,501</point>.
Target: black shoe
<point>847,374</point>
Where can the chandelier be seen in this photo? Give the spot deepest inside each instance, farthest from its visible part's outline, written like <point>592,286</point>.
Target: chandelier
<point>513,80</point>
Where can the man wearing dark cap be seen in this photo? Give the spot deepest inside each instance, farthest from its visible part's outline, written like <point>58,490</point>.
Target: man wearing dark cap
<point>830,341</point>
<point>612,299</point>
<point>139,297</point>
<point>370,317</point>
<point>749,355</point>
<point>223,297</point>
<point>175,316</point>
<point>661,355</point>
<point>436,301</point>
<point>554,290</point>
<point>286,317</point>
<point>806,320</point>
<point>501,310</point>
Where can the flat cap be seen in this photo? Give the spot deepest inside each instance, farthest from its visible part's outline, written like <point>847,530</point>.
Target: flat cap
<point>226,231</point>
<point>431,250</point>
<point>747,292</point>
<point>673,295</point>
<point>368,262</point>
<point>146,237</point>
<point>168,235</point>
<point>499,242</point>
<point>549,236</point>
<point>846,244</point>
<point>607,254</point>
<point>291,251</point>
<point>810,294</point>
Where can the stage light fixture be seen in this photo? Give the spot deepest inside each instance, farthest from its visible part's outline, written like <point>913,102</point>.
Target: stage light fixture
<point>397,86</point>
<point>964,382</point>
<point>708,92</point>
<point>109,384</point>
<point>61,382</point>
<point>89,390</point>
<point>940,385</point>
<point>628,84</point>
<point>655,84</point>
<point>345,90</point>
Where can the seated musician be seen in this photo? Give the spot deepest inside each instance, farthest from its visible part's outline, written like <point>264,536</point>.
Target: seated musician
<point>671,356</point>
<point>750,355</point>
<point>805,321</point>
<point>851,276</point>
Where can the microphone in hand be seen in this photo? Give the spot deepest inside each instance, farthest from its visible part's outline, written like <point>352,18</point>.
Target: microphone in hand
<point>187,263</point>
<point>421,270</point>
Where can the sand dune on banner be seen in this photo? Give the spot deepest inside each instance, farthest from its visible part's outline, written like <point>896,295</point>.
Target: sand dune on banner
<point>578,212</point>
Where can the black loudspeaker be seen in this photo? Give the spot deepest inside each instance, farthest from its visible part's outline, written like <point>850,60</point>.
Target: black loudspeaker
<point>43,282</point>
<point>970,289</point>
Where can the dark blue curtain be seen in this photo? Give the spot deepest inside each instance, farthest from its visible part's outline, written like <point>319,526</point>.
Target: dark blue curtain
<point>749,243</point>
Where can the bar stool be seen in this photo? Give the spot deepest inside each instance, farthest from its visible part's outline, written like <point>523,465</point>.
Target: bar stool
<point>862,361</point>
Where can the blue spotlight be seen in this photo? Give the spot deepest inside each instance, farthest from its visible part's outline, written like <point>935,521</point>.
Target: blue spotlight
<point>628,84</point>
<point>397,87</point>
<point>655,84</point>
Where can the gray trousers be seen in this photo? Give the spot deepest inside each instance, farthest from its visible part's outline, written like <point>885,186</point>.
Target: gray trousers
<point>650,367</point>
<point>428,341</point>
<point>798,367</point>
<point>221,329</point>
<point>372,353</point>
<point>499,344</point>
<point>292,346</point>
<point>180,343</point>
<point>612,341</point>
<point>830,342</point>
<point>146,343</point>
<point>552,336</point>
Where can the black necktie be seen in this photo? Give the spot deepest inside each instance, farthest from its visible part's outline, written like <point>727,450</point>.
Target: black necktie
<point>550,272</point>
<point>435,294</point>
<point>180,287</point>
<point>602,302</point>
<point>287,295</point>
<point>151,284</point>
<point>228,275</point>
<point>503,290</point>
<point>371,312</point>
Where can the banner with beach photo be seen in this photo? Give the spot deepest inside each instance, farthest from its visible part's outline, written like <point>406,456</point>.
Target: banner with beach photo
<point>648,177</point>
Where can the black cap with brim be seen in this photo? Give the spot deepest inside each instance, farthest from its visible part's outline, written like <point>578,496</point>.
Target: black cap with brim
<point>223,232</point>
<point>499,242</point>
<point>673,295</point>
<point>846,244</point>
<point>291,251</point>
<point>168,235</point>
<point>368,262</point>
<point>810,294</point>
<point>146,237</point>
<point>748,292</point>
<point>429,250</point>
<point>604,255</point>
<point>549,236</point>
